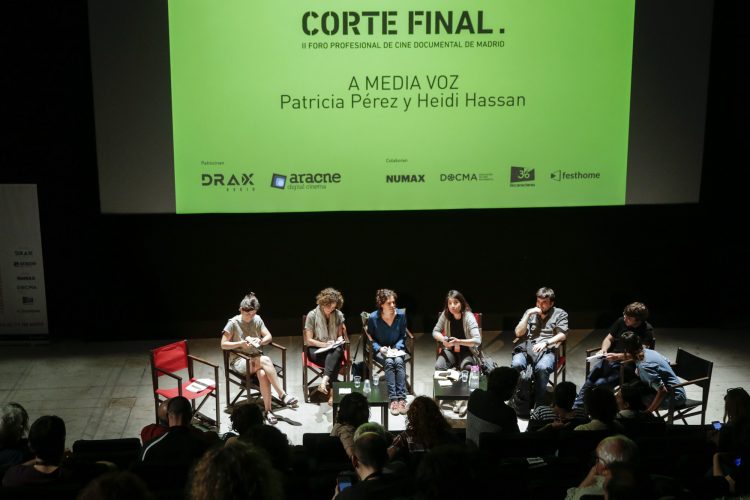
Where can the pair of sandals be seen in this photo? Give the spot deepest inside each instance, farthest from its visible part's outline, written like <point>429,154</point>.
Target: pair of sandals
<point>287,400</point>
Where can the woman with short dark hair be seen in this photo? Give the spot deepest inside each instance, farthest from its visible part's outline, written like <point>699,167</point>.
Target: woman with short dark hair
<point>387,327</point>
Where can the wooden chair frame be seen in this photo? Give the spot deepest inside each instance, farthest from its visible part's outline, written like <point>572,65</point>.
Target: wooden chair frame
<point>249,382</point>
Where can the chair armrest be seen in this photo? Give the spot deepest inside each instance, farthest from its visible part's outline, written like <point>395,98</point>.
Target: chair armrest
<point>409,334</point>
<point>241,354</point>
<point>589,352</point>
<point>278,346</point>
<point>169,374</point>
<point>199,360</point>
<point>689,382</point>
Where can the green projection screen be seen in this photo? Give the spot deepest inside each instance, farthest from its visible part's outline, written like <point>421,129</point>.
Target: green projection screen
<point>298,106</point>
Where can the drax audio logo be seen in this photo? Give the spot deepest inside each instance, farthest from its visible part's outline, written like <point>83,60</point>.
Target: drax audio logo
<point>223,180</point>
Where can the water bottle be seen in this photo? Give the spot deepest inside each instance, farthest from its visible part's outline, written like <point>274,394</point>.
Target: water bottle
<point>474,378</point>
<point>367,388</point>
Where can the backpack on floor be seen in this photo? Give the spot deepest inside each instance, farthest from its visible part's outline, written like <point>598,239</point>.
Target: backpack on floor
<point>523,400</point>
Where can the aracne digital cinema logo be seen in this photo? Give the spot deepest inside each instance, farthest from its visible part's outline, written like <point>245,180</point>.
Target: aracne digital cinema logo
<point>317,180</point>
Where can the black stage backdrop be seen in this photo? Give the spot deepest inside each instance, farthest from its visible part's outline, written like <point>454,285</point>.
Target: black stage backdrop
<point>158,276</point>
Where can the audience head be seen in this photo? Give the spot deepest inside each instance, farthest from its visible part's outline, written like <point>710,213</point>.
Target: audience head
<point>354,410</point>
<point>637,311</point>
<point>14,423</point>
<point>236,471</point>
<point>370,452</point>
<point>250,303</point>
<point>502,382</point>
<point>246,416</point>
<point>371,427</point>
<point>629,398</point>
<point>736,405</point>
<point>565,395</point>
<point>116,485</point>
<point>274,442</point>
<point>601,403</point>
<point>425,421</point>
<point>179,412</point>
<point>330,296</point>
<point>617,448</point>
<point>47,439</point>
<point>458,297</point>
<point>383,296</point>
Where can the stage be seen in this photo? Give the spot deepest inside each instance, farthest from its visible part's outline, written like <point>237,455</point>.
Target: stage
<point>103,390</point>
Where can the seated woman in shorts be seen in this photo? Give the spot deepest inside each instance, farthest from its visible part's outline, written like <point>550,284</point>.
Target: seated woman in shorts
<point>247,333</point>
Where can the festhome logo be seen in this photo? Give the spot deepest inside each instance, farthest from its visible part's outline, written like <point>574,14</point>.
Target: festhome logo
<point>562,175</point>
<point>404,178</point>
<point>278,181</point>
<point>521,174</point>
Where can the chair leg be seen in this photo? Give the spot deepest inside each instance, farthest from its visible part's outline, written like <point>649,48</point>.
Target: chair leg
<point>305,386</point>
<point>227,383</point>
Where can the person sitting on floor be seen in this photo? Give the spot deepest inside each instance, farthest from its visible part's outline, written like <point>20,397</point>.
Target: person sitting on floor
<point>47,443</point>
<point>560,413</point>
<point>182,444</point>
<point>487,410</point>
<point>610,450</point>
<point>152,431</point>
<point>353,412</point>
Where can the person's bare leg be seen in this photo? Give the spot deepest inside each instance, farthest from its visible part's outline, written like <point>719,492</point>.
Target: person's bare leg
<point>265,389</point>
<point>267,365</point>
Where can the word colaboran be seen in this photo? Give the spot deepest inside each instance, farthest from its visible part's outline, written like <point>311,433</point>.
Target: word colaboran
<point>384,23</point>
